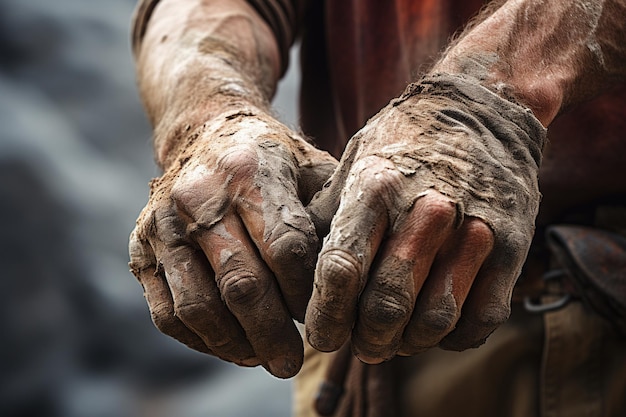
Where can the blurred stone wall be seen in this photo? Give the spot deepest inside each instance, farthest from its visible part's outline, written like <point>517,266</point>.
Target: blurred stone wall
<point>75,159</point>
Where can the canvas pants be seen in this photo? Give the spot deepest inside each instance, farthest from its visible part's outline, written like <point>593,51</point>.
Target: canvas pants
<point>563,363</point>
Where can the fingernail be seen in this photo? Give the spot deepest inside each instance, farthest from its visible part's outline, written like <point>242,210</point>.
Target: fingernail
<point>324,344</point>
<point>251,362</point>
<point>369,360</point>
<point>282,367</point>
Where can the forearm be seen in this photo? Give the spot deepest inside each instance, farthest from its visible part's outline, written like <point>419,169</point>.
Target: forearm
<point>548,55</point>
<point>197,59</point>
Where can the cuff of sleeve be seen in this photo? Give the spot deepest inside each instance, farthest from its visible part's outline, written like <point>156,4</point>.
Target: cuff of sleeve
<point>283,17</point>
<point>141,16</point>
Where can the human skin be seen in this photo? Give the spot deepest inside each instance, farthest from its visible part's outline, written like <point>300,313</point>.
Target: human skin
<point>224,249</point>
<point>224,273</point>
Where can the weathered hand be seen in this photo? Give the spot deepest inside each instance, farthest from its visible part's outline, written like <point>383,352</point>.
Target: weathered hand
<point>224,248</point>
<point>436,198</point>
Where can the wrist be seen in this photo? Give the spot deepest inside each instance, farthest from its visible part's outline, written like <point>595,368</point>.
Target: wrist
<point>542,95</point>
<point>198,59</point>
<point>178,130</point>
<point>532,53</point>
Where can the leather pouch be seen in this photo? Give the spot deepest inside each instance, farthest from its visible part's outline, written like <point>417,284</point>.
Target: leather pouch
<point>594,261</point>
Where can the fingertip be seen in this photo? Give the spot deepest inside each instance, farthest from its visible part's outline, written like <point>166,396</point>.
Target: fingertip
<point>370,353</point>
<point>369,360</point>
<point>323,344</point>
<point>323,206</point>
<point>332,309</point>
<point>322,335</point>
<point>284,367</point>
<point>461,341</point>
<point>293,257</point>
<point>282,354</point>
<point>249,362</point>
<point>406,351</point>
<point>473,332</point>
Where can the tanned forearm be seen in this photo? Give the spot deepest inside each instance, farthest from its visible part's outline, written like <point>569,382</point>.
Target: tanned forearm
<point>548,55</point>
<point>199,58</point>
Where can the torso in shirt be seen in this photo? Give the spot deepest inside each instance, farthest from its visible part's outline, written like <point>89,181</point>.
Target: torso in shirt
<point>362,53</point>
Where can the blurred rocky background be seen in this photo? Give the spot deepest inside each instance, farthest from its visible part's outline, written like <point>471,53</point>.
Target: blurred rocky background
<point>75,334</point>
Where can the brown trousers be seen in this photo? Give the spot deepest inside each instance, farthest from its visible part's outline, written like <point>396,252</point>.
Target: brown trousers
<point>564,363</point>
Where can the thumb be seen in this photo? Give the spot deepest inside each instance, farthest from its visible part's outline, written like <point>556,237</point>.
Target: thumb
<point>325,202</point>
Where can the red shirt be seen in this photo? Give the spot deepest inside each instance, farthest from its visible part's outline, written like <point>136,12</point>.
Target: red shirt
<point>358,54</point>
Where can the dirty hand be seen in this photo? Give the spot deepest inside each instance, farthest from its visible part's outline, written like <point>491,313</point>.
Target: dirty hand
<point>436,198</point>
<point>224,249</point>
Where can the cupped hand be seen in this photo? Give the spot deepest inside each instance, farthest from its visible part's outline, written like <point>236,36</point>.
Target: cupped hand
<point>224,249</point>
<point>436,198</point>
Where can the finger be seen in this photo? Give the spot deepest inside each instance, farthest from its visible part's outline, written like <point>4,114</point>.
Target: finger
<point>316,168</point>
<point>284,236</point>
<point>333,385</point>
<point>387,302</point>
<point>325,202</point>
<point>251,293</point>
<point>440,300</point>
<point>343,265</point>
<point>488,304</point>
<point>196,299</point>
<point>161,306</point>
<point>271,211</point>
<point>198,304</point>
<point>158,296</point>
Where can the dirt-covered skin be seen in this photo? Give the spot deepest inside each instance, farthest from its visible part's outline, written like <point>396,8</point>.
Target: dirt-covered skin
<point>224,249</point>
<point>431,211</point>
<point>434,222</point>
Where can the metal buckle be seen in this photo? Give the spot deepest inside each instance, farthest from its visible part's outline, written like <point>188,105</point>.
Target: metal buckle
<point>532,306</point>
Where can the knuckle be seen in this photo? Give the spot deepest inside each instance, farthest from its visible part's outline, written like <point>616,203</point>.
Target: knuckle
<point>439,209</point>
<point>191,309</point>
<point>321,319</point>
<point>241,289</point>
<point>441,315</point>
<point>164,318</point>
<point>294,246</point>
<point>379,177</point>
<point>432,324</point>
<point>189,190</point>
<point>338,270</point>
<point>473,329</point>
<point>480,233</point>
<point>135,247</point>
<point>438,321</point>
<point>145,227</point>
<point>165,218</point>
<point>168,226</point>
<point>381,310</point>
<point>184,191</point>
<point>240,162</point>
<point>204,201</point>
